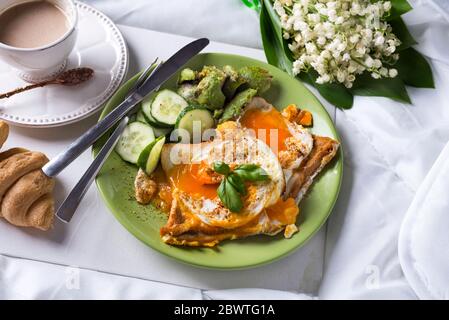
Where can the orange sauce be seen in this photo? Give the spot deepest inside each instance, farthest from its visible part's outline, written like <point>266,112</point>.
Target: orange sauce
<point>284,211</point>
<point>190,179</point>
<point>262,121</point>
<point>163,198</point>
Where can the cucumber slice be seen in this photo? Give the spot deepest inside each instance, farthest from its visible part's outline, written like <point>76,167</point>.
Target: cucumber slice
<point>157,131</point>
<point>190,115</point>
<point>141,117</point>
<point>146,111</point>
<point>135,138</point>
<point>149,157</point>
<point>166,107</point>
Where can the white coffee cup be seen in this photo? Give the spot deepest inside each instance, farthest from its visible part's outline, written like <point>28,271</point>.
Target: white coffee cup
<point>45,62</point>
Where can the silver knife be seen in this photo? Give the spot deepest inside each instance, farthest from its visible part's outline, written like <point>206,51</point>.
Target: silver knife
<point>169,68</point>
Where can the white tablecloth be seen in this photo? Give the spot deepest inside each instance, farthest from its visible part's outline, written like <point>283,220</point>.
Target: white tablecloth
<point>389,149</point>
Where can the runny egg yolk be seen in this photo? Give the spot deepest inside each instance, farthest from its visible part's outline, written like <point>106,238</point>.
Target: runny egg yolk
<point>190,178</point>
<point>284,211</point>
<point>266,123</point>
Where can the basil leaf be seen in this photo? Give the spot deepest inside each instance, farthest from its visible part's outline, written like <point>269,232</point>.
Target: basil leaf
<point>392,88</point>
<point>414,69</point>
<point>248,166</point>
<point>401,31</point>
<point>237,183</point>
<point>274,50</point>
<point>251,172</point>
<point>221,168</point>
<point>229,196</point>
<point>336,93</point>
<point>398,8</point>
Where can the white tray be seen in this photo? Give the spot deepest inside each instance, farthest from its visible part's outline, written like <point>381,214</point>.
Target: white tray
<point>96,241</point>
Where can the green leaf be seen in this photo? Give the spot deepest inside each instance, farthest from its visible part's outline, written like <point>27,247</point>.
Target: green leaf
<point>276,23</point>
<point>414,69</point>
<point>274,50</point>
<point>336,93</point>
<point>229,196</point>
<point>237,183</point>
<point>221,168</point>
<point>401,31</point>
<point>251,172</point>
<point>252,4</point>
<point>277,29</point>
<point>392,88</point>
<point>398,8</point>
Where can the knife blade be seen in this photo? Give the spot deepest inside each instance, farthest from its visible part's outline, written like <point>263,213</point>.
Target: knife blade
<point>169,68</point>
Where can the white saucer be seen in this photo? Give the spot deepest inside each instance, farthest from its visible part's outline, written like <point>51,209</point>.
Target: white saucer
<point>100,46</point>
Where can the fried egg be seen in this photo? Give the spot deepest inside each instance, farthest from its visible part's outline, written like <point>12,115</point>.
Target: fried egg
<point>288,140</point>
<point>194,184</point>
<point>262,135</point>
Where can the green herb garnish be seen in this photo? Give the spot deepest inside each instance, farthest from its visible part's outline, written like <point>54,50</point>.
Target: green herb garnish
<point>232,187</point>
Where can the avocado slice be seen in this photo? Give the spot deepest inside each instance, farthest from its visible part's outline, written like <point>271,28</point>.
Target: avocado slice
<point>187,75</point>
<point>235,107</point>
<point>256,78</point>
<point>209,91</point>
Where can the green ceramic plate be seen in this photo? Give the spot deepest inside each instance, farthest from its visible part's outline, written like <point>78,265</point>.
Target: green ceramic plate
<point>116,178</point>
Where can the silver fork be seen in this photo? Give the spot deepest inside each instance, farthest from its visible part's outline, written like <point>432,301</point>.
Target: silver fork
<point>68,207</point>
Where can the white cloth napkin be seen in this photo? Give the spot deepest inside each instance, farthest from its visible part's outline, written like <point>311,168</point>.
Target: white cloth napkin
<point>26,279</point>
<point>389,149</point>
<point>424,236</point>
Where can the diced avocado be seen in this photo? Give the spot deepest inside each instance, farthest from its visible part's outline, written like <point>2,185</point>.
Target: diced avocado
<point>235,106</point>
<point>187,75</point>
<point>187,91</point>
<point>208,92</point>
<point>233,81</point>
<point>218,113</point>
<point>230,72</point>
<point>256,78</point>
<point>210,70</point>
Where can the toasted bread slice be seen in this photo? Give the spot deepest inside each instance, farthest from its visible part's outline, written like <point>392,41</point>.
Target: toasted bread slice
<point>324,150</point>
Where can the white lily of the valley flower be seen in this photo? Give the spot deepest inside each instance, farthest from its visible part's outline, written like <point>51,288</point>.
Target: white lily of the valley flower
<point>392,73</point>
<point>383,72</point>
<point>340,39</point>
